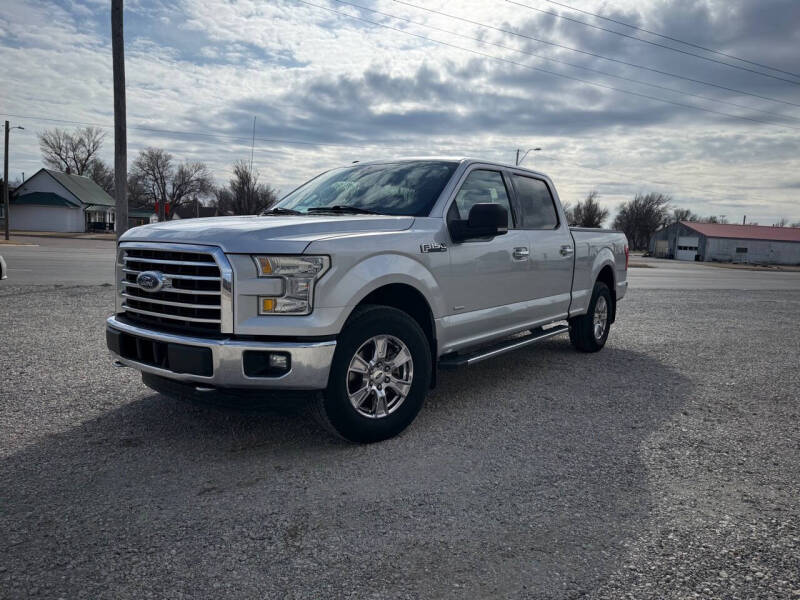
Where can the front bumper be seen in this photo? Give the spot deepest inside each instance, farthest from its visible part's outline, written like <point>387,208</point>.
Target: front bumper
<point>310,361</point>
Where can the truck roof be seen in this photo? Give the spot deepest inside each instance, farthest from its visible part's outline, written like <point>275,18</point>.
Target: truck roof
<point>459,159</point>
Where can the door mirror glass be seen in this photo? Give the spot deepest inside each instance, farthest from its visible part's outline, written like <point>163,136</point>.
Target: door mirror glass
<point>485,220</point>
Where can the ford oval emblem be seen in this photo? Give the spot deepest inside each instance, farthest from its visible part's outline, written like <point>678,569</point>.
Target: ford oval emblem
<point>150,281</point>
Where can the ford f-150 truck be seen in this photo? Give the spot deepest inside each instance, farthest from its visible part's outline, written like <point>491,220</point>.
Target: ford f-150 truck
<point>359,284</point>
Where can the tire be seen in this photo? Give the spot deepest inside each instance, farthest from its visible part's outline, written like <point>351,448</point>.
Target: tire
<point>357,350</point>
<point>582,330</point>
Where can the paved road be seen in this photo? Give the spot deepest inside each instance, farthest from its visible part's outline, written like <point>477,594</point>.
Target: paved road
<point>675,275</point>
<point>62,261</point>
<point>664,466</point>
<point>90,262</point>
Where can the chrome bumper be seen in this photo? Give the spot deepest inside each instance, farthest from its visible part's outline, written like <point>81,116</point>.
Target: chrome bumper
<point>310,361</point>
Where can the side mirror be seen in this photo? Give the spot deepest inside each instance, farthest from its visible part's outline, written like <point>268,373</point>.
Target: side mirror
<point>485,220</point>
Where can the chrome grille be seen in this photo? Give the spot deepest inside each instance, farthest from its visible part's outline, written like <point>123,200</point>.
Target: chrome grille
<point>191,298</point>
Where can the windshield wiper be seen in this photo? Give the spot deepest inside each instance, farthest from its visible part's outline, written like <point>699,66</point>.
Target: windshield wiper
<point>342,209</point>
<point>281,211</point>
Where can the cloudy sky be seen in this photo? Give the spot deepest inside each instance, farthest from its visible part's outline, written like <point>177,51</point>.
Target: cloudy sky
<point>327,89</point>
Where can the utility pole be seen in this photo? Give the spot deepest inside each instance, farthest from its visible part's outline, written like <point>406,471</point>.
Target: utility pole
<point>6,207</point>
<point>120,120</point>
<point>5,181</point>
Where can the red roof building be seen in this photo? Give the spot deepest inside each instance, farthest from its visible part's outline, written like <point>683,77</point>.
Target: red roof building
<point>755,244</point>
<point>746,232</point>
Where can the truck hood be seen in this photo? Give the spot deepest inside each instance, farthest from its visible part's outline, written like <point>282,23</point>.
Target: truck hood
<point>270,234</point>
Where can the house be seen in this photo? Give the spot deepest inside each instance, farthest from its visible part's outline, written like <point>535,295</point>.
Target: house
<point>757,244</point>
<point>54,201</point>
<point>141,216</point>
<point>193,210</point>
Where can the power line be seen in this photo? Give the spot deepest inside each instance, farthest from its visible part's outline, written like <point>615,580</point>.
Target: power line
<point>630,181</point>
<point>659,45</point>
<point>191,133</point>
<point>563,62</point>
<point>673,39</point>
<point>626,182</point>
<point>242,139</point>
<point>594,54</point>
<point>547,71</point>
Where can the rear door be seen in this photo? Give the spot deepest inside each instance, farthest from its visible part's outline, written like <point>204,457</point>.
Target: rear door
<point>550,244</point>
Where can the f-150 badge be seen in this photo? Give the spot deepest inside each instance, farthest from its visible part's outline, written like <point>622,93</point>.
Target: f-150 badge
<point>433,247</point>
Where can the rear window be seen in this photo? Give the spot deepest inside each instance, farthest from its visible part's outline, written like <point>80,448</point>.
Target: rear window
<point>536,203</point>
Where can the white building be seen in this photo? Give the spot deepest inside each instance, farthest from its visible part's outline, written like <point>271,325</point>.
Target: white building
<point>55,201</point>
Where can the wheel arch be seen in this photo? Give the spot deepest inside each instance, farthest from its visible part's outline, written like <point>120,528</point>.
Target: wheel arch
<point>410,300</point>
<point>606,276</point>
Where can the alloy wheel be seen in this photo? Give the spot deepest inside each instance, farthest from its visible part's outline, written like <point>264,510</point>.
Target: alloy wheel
<point>379,376</point>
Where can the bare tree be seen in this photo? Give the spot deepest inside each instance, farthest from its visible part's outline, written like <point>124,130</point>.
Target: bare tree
<point>162,182</point>
<point>721,220</point>
<point>641,217</point>
<point>138,196</point>
<point>567,206</point>
<point>795,224</point>
<point>589,213</point>
<point>782,222</point>
<point>102,175</point>
<point>683,214</point>
<point>72,152</point>
<point>244,195</point>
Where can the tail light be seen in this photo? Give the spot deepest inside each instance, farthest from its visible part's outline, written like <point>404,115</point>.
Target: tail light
<point>627,257</point>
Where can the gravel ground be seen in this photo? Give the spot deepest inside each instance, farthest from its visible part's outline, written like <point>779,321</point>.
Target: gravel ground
<point>665,466</point>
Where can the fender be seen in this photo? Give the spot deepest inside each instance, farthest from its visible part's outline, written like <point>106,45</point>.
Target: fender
<point>348,288</point>
<point>604,257</point>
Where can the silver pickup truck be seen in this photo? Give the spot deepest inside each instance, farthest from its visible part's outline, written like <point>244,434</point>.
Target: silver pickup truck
<point>358,285</point>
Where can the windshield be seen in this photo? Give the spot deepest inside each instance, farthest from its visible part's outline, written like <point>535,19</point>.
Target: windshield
<point>403,188</point>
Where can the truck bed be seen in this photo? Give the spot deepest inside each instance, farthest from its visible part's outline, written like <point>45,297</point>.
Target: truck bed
<point>591,245</point>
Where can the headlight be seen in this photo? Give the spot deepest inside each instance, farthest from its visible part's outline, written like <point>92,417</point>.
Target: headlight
<point>298,275</point>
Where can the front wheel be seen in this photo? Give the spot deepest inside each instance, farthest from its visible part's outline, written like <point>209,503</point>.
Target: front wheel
<point>379,378</point>
<point>589,332</point>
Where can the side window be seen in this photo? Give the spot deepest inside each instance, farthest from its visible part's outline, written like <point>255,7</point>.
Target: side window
<point>480,186</point>
<point>536,203</point>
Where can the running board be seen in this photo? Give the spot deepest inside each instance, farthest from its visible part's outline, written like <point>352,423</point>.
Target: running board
<point>464,360</point>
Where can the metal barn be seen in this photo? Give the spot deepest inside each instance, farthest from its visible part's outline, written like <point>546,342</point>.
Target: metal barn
<point>754,244</point>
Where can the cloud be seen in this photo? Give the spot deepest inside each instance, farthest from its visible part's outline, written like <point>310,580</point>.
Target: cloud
<point>346,90</point>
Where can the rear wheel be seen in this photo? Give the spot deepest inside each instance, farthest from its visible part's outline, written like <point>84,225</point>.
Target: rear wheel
<point>589,332</point>
<point>380,374</point>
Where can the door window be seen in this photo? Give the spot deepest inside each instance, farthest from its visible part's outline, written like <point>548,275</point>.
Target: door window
<point>480,186</point>
<point>536,203</point>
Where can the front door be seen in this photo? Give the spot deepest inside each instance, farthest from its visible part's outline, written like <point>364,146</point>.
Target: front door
<point>489,284</point>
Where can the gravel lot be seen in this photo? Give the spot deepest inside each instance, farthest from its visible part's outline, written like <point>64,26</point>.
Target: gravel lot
<point>665,466</point>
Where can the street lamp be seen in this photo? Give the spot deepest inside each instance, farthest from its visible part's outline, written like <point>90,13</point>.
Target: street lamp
<point>519,160</point>
<point>5,177</point>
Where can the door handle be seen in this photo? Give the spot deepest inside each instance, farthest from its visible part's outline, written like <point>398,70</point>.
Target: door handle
<point>566,250</point>
<point>521,253</point>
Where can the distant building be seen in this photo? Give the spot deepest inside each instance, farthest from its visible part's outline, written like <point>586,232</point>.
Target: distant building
<point>54,201</point>
<point>194,210</point>
<point>755,244</point>
<point>141,216</point>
